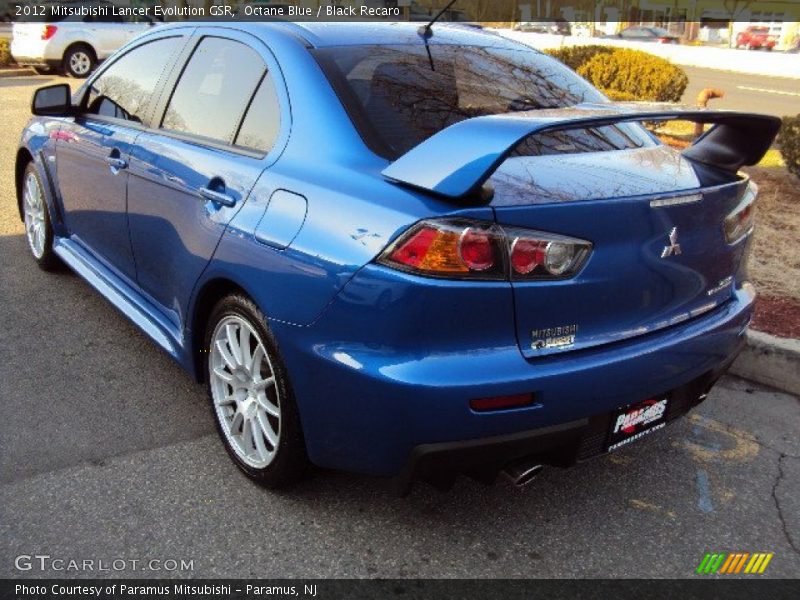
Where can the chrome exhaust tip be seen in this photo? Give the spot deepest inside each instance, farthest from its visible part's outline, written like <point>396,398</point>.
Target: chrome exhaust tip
<point>522,472</point>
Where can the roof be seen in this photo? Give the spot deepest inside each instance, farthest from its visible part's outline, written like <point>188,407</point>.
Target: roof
<point>322,34</point>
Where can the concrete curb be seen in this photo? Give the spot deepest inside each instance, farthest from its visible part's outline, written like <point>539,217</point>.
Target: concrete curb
<point>770,360</point>
<point>18,72</point>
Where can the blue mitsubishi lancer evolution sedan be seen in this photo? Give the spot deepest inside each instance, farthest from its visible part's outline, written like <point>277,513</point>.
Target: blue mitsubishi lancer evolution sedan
<point>400,251</point>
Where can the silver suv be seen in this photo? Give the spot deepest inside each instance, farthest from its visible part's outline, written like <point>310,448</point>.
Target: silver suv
<point>49,41</point>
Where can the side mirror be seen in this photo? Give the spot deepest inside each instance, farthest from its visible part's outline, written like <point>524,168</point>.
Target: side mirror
<point>53,101</point>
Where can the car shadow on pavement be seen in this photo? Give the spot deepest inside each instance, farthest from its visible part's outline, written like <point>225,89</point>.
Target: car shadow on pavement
<point>102,388</point>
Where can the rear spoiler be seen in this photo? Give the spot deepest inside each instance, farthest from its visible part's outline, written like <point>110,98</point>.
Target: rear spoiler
<point>458,160</point>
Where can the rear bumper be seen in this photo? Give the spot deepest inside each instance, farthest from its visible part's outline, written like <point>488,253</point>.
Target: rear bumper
<point>558,445</point>
<point>383,384</point>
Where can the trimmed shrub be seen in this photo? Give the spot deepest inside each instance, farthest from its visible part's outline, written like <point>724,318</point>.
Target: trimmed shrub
<point>5,53</point>
<point>789,143</point>
<point>642,75</point>
<point>618,96</point>
<point>576,56</point>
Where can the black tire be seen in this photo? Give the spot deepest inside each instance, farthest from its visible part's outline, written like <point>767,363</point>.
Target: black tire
<point>43,70</point>
<point>290,462</point>
<point>48,261</point>
<point>79,61</point>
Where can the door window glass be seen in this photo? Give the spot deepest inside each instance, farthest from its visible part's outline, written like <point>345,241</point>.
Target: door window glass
<point>214,90</point>
<point>123,90</point>
<point>260,126</point>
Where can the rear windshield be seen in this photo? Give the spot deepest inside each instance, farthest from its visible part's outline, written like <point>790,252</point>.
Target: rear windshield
<point>398,96</point>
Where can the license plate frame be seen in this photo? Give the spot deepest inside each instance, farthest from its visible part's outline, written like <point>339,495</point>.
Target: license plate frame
<point>635,421</point>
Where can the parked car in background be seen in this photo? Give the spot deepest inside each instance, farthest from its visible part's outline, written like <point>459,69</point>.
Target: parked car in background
<point>470,261</point>
<point>756,37</point>
<point>73,44</point>
<point>557,27</point>
<point>647,34</point>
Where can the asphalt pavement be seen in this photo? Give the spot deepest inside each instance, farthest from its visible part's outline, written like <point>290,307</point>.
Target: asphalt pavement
<point>778,96</point>
<point>107,452</point>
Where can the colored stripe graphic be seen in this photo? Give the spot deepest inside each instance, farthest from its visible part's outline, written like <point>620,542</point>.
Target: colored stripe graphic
<point>727,564</point>
<point>741,562</point>
<point>755,562</point>
<point>766,562</point>
<point>730,564</point>
<point>711,563</point>
<point>702,567</point>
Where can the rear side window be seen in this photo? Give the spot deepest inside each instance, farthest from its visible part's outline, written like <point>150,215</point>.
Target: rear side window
<point>123,90</point>
<point>398,96</point>
<point>214,90</point>
<point>260,126</point>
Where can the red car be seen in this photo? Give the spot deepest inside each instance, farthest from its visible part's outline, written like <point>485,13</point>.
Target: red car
<point>755,37</point>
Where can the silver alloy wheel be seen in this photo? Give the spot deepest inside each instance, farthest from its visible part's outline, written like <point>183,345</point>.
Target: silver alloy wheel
<point>80,62</point>
<point>33,209</point>
<point>244,392</point>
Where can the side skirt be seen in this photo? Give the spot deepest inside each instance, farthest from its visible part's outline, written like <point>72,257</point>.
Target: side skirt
<point>132,304</point>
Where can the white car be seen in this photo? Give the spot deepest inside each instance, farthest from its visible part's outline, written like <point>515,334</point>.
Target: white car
<point>50,41</point>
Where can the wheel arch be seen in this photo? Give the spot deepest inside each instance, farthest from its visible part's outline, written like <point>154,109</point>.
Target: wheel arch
<point>24,158</point>
<point>77,43</point>
<point>207,297</point>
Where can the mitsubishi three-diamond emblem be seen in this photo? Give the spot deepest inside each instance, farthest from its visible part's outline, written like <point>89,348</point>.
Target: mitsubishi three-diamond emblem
<point>674,247</point>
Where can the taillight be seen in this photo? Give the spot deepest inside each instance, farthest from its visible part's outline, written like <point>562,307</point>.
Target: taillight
<point>739,223</point>
<point>540,255</point>
<point>465,249</point>
<point>48,31</point>
<point>449,248</point>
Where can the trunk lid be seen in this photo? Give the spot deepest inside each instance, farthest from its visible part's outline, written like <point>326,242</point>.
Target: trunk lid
<point>627,203</point>
<point>655,216</point>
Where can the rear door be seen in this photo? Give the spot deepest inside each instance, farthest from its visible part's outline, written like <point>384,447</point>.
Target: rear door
<point>193,172</point>
<point>93,150</point>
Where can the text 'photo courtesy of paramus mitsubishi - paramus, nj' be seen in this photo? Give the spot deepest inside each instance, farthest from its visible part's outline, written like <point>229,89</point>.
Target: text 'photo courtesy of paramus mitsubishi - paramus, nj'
<point>406,252</point>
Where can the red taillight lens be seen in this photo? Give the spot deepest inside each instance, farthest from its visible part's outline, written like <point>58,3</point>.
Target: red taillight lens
<point>447,248</point>
<point>501,402</point>
<point>468,249</point>
<point>476,249</point>
<point>740,222</point>
<point>526,255</point>
<point>48,31</point>
<point>413,251</point>
<point>540,255</point>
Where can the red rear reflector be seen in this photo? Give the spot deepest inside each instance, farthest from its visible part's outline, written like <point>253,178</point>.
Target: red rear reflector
<point>501,402</point>
<point>48,31</point>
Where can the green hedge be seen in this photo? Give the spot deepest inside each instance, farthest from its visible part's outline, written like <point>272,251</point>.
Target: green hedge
<point>789,143</point>
<point>624,74</point>
<point>575,56</point>
<point>5,53</point>
<point>642,75</point>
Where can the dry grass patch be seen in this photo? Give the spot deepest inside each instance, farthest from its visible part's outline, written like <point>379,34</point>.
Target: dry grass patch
<point>775,260</point>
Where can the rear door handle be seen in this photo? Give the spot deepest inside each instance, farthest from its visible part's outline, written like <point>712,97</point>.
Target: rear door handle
<point>218,197</point>
<point>117,163</point>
